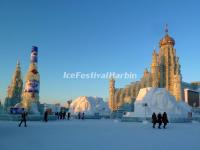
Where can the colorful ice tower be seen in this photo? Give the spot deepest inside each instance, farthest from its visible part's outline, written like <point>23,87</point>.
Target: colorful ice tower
<point>32,84</point>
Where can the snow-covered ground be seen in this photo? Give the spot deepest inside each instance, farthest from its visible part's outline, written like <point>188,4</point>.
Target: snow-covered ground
<point>98,135</point>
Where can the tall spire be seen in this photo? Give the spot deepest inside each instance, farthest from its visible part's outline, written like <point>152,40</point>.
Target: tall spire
<point>154,57</point>
<point>18,63</point>
<point>18,66</point>
<point>111,101</point>
<point>154,69</point>
<point>14,90</point>
<point>166,28</point>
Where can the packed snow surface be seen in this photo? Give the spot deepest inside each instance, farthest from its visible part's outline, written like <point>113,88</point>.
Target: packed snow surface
<point>98,135</point>
<point>89,105</point>
<point>157,100</point>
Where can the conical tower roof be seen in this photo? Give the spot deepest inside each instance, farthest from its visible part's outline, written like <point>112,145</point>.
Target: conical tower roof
<point>15,88</point>
<point>17,73</point>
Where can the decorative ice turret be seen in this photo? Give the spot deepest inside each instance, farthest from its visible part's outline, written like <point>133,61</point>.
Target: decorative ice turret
<point>31,90</point>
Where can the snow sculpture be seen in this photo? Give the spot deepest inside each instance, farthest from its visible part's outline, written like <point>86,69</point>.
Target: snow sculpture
<point>89,105</point>
<point>157,100</point>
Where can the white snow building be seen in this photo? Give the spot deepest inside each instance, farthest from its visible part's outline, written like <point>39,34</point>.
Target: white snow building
<point>89,105</point>
<point>158,100</point>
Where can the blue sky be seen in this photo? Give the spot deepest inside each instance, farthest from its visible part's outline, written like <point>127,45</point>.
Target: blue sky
<point>93,35</point>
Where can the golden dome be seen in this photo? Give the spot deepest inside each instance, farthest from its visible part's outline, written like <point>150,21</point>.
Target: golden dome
<point>167,40</point>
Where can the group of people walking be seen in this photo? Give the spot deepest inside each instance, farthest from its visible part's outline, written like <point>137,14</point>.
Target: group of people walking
<point>24,115</point>
<point>160,119</point>
<point>61,115</point>
<point>81,115</point>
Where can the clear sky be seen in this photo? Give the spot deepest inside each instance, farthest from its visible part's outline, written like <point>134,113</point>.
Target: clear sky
<point>93,35</point>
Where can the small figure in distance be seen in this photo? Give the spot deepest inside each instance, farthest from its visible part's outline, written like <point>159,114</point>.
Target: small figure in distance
<point>23,118</point>
<point>83,116</point>
<point>159,120</point>
<point>165,119</point>
<point>60,115</point>
<point>46,116</point>
<point>68,116</point>
<point>154,119</point>
<point>57,114</point>
<point>79,115</point>
<point>64,114</point>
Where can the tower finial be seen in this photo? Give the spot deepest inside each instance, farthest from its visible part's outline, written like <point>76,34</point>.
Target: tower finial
<point>166,28</point>
<point>154,49</point>
<point>112,78</point>
<point>18,62</point>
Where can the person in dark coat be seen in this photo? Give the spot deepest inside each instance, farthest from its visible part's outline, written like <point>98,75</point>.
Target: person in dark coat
<point>68,115</point>
<point>165,119</point>
<point>64,115</point>
<point>159,120</point>
<point>79,115</point>
<point>23,118</point>
<point>46,116</point>
<point>83,116</point>
<point>60,114</point>
<point>57,114</point>
<point>154,119</point>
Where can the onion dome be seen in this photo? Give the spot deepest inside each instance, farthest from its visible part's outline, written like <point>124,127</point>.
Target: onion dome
<point>167,40</point>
